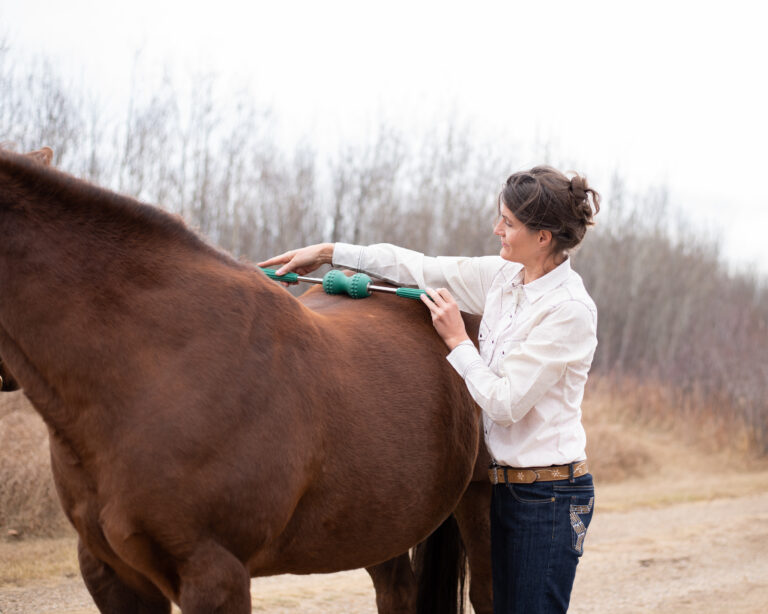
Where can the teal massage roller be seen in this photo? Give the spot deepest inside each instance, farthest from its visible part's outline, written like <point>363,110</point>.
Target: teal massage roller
<point>335,282</point>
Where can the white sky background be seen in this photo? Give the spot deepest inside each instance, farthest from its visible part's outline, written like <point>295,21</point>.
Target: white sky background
<point>671,93</point>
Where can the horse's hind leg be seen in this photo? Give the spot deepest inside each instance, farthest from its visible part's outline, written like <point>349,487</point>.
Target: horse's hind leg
<point>213,581</point>
<point>473,517</point>
<point>111,594</point>
<point>395,585</point>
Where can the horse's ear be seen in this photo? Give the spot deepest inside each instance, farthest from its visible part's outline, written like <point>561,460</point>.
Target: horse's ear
<point>43,155</point>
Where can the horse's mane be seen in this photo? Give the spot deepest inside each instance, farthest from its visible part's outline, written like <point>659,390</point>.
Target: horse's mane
<point>20,172</point>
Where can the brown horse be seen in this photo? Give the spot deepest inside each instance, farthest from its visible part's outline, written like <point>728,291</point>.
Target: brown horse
<point>207,427</point>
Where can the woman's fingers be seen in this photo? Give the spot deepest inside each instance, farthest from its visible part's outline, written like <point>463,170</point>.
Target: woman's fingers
<point>290,263</point>
<point>441,296</point>
<point>437,302</point>
<point>430,303</point>
<point>446,296</point>
<point>277,259</point>
<point>446,316</point>
<point>286,260</point>
<point>432,300</point>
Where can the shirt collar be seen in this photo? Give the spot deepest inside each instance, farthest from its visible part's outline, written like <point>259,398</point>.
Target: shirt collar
<point>539,287</point>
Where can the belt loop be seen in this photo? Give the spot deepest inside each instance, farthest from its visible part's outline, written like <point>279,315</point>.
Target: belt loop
<point>506,479</point>
<point>571,479</point>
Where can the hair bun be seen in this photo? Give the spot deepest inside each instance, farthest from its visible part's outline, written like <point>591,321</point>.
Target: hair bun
<point>578,187</point>
<point>583,208</point>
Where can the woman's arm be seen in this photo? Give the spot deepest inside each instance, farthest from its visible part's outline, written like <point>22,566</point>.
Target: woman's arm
<point>467,279</point>
<point>531,367</point>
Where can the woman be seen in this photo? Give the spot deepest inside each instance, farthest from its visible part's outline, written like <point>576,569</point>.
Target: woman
<point>536,343</point>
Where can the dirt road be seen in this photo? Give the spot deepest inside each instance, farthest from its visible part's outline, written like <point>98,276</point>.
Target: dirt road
<point>697,545</point>
<point>702,557</point>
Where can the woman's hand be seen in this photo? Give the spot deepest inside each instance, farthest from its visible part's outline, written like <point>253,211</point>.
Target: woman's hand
<point>446,317</point>
<point>302,261</point>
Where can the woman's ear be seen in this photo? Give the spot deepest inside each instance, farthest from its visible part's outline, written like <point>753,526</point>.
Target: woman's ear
<point>545,238</point>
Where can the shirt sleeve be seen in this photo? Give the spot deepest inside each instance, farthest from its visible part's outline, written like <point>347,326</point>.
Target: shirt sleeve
<point>467,279</point>
<point>567,335</point>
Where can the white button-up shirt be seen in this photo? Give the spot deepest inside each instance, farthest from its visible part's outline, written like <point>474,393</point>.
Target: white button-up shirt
<point>536,344</point>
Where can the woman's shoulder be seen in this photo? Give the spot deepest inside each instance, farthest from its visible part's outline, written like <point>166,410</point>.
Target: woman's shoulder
<point>493,270</point>
<point>573,294</point>
<point>503,271</point>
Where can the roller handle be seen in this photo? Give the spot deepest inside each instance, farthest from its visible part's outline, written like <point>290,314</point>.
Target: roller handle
<point>290,278</point>
<point>410,293</point>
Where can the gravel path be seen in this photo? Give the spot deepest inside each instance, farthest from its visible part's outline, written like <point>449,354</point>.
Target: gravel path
<point>703,557</point>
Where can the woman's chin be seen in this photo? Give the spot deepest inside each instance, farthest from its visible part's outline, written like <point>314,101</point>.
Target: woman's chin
<point>507,254</point>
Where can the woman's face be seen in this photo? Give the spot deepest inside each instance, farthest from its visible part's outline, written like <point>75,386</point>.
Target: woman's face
<point>518,242</point>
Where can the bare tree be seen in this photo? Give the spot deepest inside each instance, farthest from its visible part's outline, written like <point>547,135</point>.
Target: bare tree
<point>671,314</point>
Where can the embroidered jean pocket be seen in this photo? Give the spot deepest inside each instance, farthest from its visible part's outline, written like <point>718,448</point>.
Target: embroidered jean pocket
<point>580,513</point>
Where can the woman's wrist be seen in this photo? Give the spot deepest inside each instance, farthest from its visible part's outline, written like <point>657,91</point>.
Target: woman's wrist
<point>452,342</point>
<point>327,252</point>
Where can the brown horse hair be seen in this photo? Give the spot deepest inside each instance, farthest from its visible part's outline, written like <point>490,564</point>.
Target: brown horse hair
<point>206,426</point>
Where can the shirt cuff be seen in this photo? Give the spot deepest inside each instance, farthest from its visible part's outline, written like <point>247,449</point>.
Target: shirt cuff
<point>464,356</point>
<point>347,256</point>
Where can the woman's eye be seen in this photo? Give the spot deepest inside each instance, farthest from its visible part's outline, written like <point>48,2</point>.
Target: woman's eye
<point>507,223</point>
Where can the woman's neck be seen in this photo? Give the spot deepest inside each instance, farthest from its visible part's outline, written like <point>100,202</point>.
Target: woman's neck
<point>535,270</point>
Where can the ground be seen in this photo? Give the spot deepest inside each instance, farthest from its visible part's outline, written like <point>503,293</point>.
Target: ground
<point>693,540</point>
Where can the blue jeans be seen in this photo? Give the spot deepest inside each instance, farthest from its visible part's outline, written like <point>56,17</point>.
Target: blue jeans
<point>537,537</point>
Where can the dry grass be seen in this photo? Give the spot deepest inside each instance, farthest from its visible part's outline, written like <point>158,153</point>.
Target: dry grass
<point>28,500</point>
<point>635,429</point>
<point>709,424</point>
<point>38,559</point>
<point>644,453</point>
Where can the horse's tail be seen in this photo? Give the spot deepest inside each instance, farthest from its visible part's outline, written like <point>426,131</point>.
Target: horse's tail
<point>440,566</point>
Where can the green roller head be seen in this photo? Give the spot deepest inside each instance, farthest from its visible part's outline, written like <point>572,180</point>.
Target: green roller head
<point>335,282</point>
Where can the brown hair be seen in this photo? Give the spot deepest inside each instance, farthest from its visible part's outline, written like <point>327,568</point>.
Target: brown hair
<point>543,198</point>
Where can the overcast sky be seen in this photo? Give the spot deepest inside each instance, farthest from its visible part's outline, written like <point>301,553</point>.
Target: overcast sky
<point>667,93</point>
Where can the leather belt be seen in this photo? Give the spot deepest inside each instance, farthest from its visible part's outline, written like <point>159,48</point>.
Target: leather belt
<point>512,475</point>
